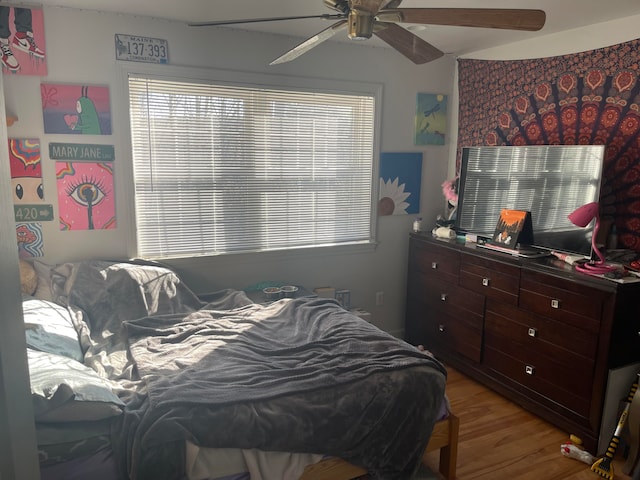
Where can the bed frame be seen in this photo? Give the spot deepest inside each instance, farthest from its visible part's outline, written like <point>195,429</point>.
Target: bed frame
<point>443,438</point>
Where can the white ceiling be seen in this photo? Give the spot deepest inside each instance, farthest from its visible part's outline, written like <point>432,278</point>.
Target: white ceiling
<point>561,15</point>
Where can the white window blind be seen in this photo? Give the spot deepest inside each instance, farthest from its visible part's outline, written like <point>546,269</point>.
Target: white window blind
<point>220,169</point>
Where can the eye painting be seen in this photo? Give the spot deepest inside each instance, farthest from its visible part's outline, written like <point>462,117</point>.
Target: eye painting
<point>87,192</point>
<point>85,195</point>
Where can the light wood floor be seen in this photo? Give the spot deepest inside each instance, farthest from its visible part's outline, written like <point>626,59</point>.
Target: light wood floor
<point>501,441</point>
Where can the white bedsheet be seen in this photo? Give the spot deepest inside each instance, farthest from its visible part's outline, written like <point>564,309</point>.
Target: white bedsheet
<point>212,463</point>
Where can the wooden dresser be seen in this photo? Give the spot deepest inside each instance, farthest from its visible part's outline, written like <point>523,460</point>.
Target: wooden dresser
<point>534,330</point>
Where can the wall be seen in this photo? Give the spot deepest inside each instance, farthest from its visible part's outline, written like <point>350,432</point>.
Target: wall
<point>80,49</point>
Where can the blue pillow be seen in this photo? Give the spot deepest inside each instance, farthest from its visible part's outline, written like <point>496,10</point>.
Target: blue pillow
<point>49,328</point>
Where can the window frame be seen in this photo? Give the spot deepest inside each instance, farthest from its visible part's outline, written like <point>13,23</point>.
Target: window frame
<point>257,80</point>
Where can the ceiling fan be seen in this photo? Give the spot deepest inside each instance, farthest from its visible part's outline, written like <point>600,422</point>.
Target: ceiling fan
<point>363,18</point>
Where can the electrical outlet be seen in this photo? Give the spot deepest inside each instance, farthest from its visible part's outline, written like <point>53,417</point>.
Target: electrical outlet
<point>379,298</point>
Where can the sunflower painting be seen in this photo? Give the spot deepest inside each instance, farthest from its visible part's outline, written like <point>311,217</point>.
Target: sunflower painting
<point>400,181</point>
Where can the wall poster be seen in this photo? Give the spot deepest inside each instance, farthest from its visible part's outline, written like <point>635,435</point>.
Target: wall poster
<point>76,109</point>
<point>431,119</point>
<point>86,195</point>
<point>22,38</point>
<point>400,183</point>
<point>30,240</point>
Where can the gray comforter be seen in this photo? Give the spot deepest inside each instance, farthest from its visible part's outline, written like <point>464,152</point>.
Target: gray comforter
<point>298,375</point>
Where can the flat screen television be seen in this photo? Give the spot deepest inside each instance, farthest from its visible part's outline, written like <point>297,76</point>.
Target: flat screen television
<point>550,181</point>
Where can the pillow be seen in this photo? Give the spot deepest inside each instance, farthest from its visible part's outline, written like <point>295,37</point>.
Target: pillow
<point>28,278</point>
<point>50,328</point>
<point>64,390</point>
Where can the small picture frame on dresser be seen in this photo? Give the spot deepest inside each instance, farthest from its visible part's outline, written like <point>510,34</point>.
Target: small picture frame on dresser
<point>513,228</point>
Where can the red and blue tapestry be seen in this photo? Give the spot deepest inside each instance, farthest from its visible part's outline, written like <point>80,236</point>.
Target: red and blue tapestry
<point>585,98</point>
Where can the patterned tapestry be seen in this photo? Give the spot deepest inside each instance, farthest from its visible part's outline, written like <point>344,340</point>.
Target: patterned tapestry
<point>585,98</point>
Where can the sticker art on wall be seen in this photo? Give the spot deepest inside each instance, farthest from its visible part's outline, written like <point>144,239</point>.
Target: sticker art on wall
<point>86,195</point>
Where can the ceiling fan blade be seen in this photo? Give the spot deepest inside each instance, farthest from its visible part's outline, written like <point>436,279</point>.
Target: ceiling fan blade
<point>411,46</point>
<point>506,18</point>
<point>311,42</point>
<point>390,4</point>
<point>327,16</point>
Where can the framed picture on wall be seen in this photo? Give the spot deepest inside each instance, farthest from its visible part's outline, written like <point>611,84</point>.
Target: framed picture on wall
<point>431,119</point>
<point>400,183</point>
<point>22,32</point>
<point>76,109</point>
<point>86,195</point>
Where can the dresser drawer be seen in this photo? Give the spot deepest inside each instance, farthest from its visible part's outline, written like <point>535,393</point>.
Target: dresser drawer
<point>457,331</point>
<point>544,377</point>
<point>542,354</point>
<point>452,318</point>
<point>572,304</point>
<point>491,278</point>
<point>445,332</point>
<point>435,262</point>
<point>448,297</point>
<point>567,344</point>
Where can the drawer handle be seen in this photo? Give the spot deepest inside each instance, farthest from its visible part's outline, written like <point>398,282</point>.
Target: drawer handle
<point>441,328</point>
<point>434,265</point>
<point>443,297</point>
<point>555,303</point>
<point>529,370</point>
<point>485,282</point>
<point>532,332</point>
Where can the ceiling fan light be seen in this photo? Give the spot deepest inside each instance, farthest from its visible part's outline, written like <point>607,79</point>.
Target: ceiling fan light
<point>360,25</point>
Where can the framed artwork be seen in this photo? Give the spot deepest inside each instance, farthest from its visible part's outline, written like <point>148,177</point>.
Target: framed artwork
<point>431,119</point>
<point>513,227</point>
<point>400,183</point>
<point>85,195</point>
<point>22,32</point>
<point>26,171</point>
<point>76,109</point>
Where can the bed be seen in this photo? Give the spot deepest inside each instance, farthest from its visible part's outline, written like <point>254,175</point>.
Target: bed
<point>135,376</point>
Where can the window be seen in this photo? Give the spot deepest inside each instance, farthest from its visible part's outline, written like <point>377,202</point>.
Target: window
<point>224,168</point>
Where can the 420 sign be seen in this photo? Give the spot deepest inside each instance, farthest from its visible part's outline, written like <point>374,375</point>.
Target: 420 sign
<point>33,213</point>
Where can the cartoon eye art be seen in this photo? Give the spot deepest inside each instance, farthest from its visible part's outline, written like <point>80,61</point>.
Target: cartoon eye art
<point>19,191</point>
<point>87,191</point>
